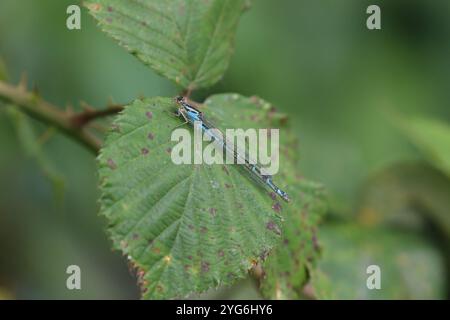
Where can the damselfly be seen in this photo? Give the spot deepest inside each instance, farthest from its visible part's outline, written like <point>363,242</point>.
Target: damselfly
<point>191,115</point>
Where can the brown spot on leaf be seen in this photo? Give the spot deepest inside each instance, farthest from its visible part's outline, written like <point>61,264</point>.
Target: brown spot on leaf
<point>221,253</point>
<point>149,114</point>
<point>144,151</point>
<point>94,6</point>
<point>111,164</point>
<point>205,266</point>
<point>276,207</point>
<point>273,227</point>
<point>110,9</point>
<point>212,211</point>
<point>140,273</point>
<point>263,255</point>
<point>150,136</point>
<point>315,241</point>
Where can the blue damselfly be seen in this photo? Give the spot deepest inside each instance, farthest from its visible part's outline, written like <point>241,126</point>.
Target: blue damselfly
<point>192,115</point>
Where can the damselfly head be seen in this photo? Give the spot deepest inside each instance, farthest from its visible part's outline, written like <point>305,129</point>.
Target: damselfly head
<point>179,99</point>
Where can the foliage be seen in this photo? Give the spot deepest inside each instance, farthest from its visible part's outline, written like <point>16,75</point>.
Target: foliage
<point>407,195</point>
<point>192,227</point>
<point>182,231</point>
<point>432,137</point>
<point>185,227</point>
<point>411,267</point>
<point>188,41</point>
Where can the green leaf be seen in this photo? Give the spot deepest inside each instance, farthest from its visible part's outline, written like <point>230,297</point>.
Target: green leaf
<point>287,267</point>
<point>411,268</point>
<point>407,195</point>
<point>187,228</point>
<point>187,41</point>
<point>432,137</point>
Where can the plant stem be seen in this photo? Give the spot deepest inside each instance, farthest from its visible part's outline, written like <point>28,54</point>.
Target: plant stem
<point>73,125</point>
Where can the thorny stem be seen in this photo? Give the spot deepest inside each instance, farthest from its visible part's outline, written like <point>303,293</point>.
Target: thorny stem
<point>83,118</point>
<point>73,125</point>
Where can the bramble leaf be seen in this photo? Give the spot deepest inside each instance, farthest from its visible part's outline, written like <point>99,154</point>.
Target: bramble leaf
<point>187,41</point>
<point>187,228</point>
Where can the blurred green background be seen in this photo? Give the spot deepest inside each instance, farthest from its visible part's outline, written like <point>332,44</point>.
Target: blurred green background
<point>371,110</point>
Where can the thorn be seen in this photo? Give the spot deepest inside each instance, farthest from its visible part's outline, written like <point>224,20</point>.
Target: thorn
<point>85,106</point>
